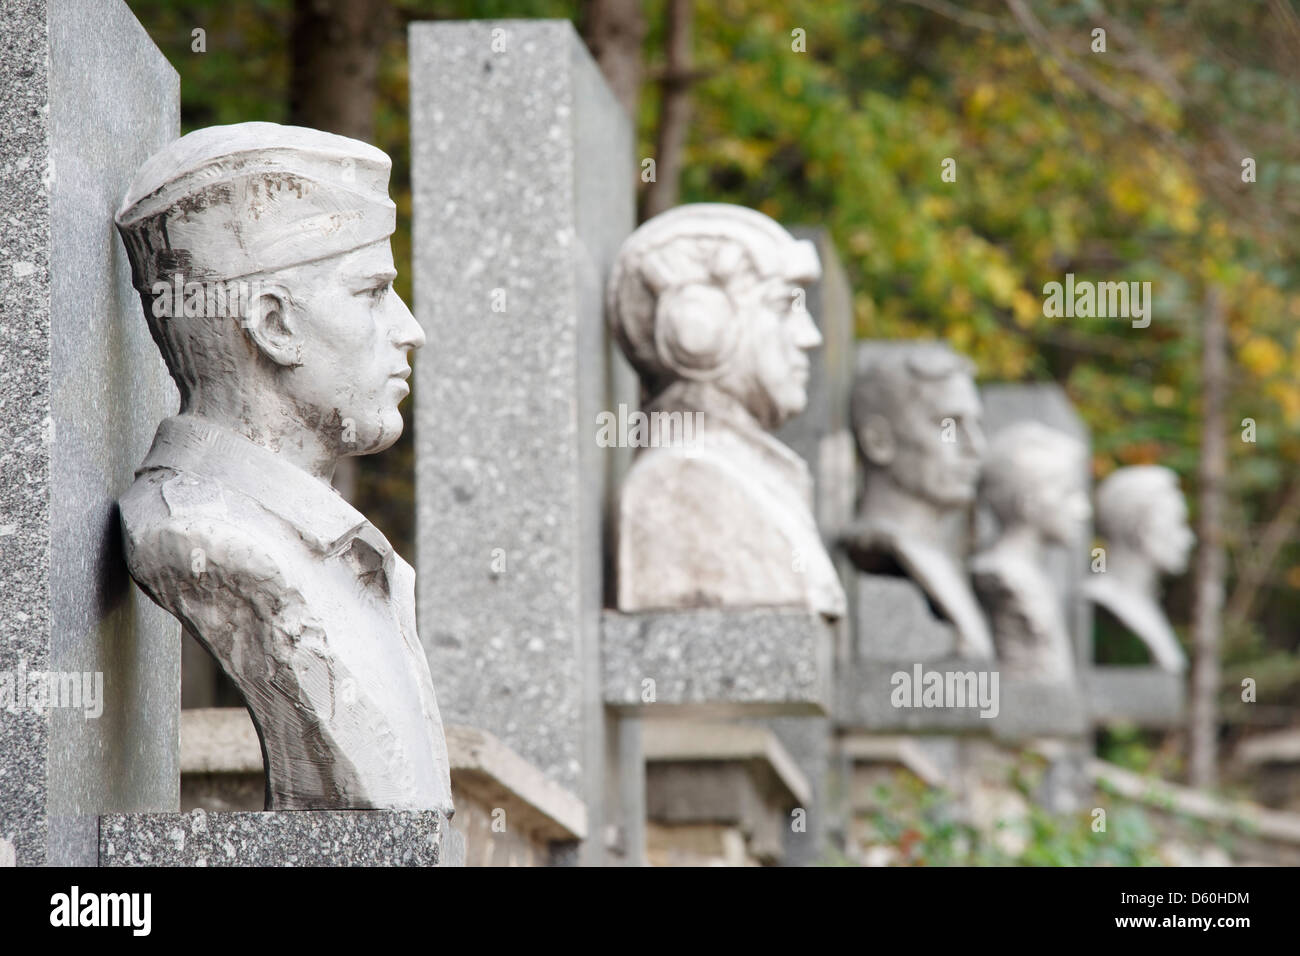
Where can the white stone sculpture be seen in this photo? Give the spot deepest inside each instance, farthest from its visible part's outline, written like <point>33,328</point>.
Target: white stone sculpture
<point>918,421</point>
<point>707,302</point>
<point>1142,516</point>
<point>261,253</point>
<point>1032,483</point>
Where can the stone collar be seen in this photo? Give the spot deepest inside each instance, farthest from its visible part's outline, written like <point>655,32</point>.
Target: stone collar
<point>316,511</point>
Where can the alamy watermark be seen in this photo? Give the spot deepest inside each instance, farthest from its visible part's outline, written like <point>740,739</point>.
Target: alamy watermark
<point>74,908</point>
<point>177,298</point>
<point>945,689</point>
<point>638,429</point>
<point>1101,300</point>
<point>39,691</point>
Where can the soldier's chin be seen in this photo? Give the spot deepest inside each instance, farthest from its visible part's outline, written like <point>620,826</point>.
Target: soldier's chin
<point>791,402</point>
<point>949,492</point>
<point>380,436</point>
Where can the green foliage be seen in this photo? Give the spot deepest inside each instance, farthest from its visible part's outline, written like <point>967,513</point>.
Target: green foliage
<point>921,828</point>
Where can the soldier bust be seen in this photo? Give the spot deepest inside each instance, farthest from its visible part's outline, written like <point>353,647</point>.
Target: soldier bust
<point>1142,517</point>
<point>1032,483</point>
<point>707,303</point>
<point>918,422</point>
<point>261,254</point>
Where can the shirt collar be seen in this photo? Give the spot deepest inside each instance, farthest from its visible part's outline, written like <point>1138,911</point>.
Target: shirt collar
<point>316,511</point>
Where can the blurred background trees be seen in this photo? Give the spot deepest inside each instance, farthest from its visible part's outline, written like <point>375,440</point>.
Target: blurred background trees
<point>1166,156</point>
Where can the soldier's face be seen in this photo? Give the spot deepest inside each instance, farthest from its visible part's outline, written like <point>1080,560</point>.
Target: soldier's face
<point>1060,505</point>
<point>783,332</point>
<point>1166,538</point>
<point>356,336</point>
<point>940,441</point>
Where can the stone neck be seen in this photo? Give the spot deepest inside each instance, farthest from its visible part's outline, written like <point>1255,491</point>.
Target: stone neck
<point>888,507</point>
<point>1131,571</point>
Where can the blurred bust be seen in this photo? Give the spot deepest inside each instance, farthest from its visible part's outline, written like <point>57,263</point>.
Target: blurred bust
<point>261,254</point>
<point>707,303</point>
<point>1033,484</point>
<point>1142,516</point>
<point>917,418</point>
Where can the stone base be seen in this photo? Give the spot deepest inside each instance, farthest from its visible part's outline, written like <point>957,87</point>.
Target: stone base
<point>719,794</point>
<point>509,813</point>
<point>291,838</point>
<point>1146,696</point>
<point>1024,709</point>
<point>717,663</point>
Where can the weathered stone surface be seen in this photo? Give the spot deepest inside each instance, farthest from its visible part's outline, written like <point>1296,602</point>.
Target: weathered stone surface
<point>897,624</point>
<point>767,661</point>
<point>523,175</point>
<point>87,98</point>
<point>299,838</point>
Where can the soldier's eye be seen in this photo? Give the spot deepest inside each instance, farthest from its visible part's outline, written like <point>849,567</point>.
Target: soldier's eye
<point>379,291</point>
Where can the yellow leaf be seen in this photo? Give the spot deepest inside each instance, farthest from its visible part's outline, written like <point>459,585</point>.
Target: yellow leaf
<point>1261,356</point>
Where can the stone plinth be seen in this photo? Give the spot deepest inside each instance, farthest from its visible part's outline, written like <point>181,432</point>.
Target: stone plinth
<point>290,838</point>
<point>719,793</point>
<point>510,813</point>
<point>1024,709</point>
<point>522,178</point>
<point>1145,696</point>
<point>88,98</point>
<point>710,663</point>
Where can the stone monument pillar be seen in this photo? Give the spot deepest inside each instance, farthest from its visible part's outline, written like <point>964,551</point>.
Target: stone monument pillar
<point>89,667</point>
<point>522,172</point>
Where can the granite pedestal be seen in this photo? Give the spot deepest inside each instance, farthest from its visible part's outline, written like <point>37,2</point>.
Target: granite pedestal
<point>716,663</point>
<point>291,838</point>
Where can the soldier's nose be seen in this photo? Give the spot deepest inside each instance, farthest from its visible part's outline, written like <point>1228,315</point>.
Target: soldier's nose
<point>407,332</point>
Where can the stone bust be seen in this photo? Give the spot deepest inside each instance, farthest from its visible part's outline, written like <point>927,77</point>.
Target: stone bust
<point>1142,517</point>
<point>707,303</point>
<point>1032,484</point>
<point>918,422</point>
<point>261,254</point>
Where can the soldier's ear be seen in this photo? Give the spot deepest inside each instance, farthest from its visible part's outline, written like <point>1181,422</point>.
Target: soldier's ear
<point>877,440</point>
<point>272,327</point>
